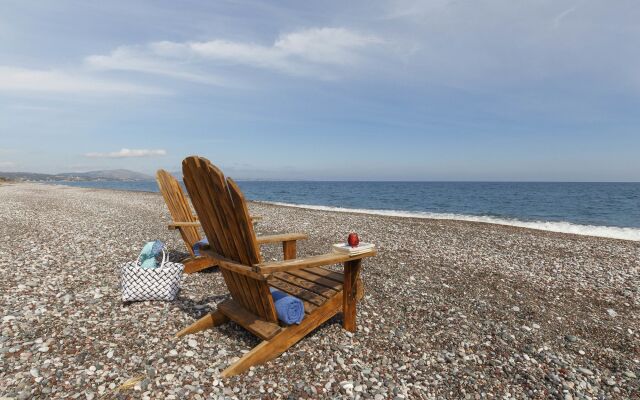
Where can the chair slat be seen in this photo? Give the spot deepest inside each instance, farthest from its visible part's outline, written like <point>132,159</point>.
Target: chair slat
<point>201,200</point>
<point>320,280</point>
<point>297,291</point>
<point>267,303</point>
<point>232,285</point>
<point>327,273</point>
<point>244,222</point>
<point>179,207</point>
<point>224,206</point>
<point>248,286</point>
<point>305,284</point>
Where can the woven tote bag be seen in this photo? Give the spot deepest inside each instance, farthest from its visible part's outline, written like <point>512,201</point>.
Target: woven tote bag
<point>140,284</point>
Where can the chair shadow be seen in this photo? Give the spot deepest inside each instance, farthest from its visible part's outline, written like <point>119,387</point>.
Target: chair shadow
<point>177,256</point>
<point>229,330</point>
<point>197,308</point>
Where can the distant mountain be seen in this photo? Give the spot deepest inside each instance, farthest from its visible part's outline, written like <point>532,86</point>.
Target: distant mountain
<point>25,176</point>
<point>105,175</point>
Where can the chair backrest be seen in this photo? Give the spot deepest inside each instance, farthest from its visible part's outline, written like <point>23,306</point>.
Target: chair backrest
<point>178,206</point>
<point>224,217</point>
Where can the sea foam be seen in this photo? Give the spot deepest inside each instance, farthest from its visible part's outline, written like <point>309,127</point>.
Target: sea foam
<point>612,232</point>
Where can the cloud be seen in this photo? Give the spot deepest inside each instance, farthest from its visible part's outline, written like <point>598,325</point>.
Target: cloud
<point>128,153</point>
<point>315,52</point>
<point>132,58</point>
<point>558,18</point>
<point>15,79</point>
<point>7,164</point>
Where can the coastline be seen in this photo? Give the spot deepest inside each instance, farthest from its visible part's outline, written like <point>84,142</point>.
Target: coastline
<point>611,232</point>
<point>451,308</point>
<point>563,227</point>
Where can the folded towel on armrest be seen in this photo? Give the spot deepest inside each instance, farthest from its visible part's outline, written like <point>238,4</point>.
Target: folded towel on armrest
<point>204,243</point>
<point>289,309</point>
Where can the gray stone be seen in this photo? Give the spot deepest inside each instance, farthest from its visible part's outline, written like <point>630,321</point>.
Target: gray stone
<point>585,371</point>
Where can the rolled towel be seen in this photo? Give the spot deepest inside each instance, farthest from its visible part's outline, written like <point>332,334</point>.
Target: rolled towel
<point>204,243</point>
<point>289,309</point>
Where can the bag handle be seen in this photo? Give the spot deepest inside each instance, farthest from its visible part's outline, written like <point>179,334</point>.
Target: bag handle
<point>165,257</point>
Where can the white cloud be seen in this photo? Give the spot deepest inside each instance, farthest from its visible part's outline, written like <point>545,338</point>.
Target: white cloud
<point>312,52</point>
<point>558,18</point>
<point>7,164</point>
<point>127,153</point>
<point>14,79</point>
<point>132,58</point>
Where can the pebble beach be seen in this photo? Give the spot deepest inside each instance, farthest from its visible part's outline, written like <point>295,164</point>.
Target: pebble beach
<point>452,309</point>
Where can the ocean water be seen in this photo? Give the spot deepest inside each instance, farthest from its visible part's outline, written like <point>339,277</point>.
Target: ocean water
<point>599,209</point>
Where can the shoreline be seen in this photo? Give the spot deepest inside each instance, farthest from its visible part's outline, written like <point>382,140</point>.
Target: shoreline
<point>561,227</point>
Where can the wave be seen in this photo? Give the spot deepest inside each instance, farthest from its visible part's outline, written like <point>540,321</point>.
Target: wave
<point>613,232</point>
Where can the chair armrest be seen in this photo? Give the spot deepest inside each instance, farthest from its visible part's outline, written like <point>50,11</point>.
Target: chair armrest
<point>284,237</point>
<point>309,262</point>
<point>178,225</point>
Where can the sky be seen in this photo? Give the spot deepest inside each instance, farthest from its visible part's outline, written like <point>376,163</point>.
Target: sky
<point>545,90</point>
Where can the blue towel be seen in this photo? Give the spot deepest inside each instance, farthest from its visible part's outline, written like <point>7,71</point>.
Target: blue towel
<point>149,253</point>
<point>200,245</point>
<point>289,309</point>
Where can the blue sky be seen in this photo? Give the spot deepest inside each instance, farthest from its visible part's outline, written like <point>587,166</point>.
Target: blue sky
<point>409,90</point>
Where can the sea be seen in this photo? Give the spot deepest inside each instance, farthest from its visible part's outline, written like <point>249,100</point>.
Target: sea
<point>597,209</point>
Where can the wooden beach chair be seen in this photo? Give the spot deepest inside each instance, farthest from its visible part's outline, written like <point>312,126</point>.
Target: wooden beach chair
<point>189,227</point>
<point>224,217</point>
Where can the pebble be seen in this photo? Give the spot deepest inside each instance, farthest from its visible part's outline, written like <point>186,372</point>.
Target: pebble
<point>585,371</point>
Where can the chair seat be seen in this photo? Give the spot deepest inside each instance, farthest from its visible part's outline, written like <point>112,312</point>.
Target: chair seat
<point>314,286</point>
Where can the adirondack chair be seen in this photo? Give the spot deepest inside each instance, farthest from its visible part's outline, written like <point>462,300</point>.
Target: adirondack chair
<point>224,217</point>
<point>188,225</point>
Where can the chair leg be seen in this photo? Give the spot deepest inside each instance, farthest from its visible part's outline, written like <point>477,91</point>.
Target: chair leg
<point>350,288</point>
<point>289,249</point>
<point>272,348</point>
<point>208,321</point>
<point>360,290</point>
<point>198,264</point>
